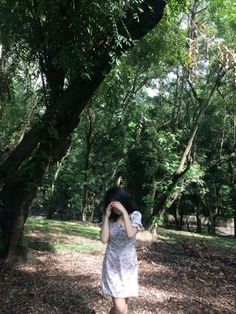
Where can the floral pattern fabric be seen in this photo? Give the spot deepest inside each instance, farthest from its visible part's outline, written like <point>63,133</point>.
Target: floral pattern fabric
<point>120,265</point>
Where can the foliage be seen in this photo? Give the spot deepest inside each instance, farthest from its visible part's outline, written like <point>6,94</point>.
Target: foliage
<point>137,125</point>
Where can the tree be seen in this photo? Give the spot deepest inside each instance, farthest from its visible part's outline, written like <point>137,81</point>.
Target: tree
<point>74,45</point>
<point>202,73</point>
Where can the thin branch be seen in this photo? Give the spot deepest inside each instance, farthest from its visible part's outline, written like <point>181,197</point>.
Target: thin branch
<point>220,161</point>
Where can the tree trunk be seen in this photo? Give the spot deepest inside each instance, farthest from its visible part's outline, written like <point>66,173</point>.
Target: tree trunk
<point>27,178</point>
<point>89,141</point>
<point>212,226</point>
<point>180,171</point>
<point>233,191</point>
<point>176,215</point>
<point>13,216</point>
<point>151,201</point>
<point>235,215</point>
<point>22,172</point>
<point>20,183</point>
<point>16,247</point>
<point>160,204</point>
<point>52,209</point>
<point>212,218</point>
<point>199,225</point>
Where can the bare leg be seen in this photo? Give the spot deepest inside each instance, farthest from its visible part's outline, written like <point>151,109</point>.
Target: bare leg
<point>126,302</point>
<point>112,311</point>
<point>119,306</point>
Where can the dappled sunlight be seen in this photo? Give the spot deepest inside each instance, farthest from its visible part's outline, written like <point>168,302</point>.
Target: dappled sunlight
<point>155,277</point>
<point>181,237</point>
<point>63,275</point>
<point>27,268</point>
<point>63,228</point>
<point>50,235</point>
<point>49,290</point>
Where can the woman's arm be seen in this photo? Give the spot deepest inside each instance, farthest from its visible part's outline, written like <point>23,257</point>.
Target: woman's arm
<point>130,230</point>
<point>104,234</point>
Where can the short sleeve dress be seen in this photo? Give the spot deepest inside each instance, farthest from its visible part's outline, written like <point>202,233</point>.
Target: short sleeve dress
<point>120,266</point>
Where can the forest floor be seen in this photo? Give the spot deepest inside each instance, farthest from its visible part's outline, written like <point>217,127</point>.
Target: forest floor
<point>179,272</point>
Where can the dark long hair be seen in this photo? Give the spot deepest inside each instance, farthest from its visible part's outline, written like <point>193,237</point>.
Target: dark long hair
<point>120,195</point>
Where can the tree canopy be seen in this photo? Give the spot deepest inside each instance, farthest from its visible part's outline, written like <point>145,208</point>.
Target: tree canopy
<point>81,111</point>
<point>67,48</point>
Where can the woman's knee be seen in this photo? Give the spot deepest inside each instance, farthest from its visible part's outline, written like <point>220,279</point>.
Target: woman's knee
<point>119,305</point>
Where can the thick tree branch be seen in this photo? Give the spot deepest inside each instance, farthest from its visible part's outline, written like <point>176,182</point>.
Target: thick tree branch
<point>64,115</point>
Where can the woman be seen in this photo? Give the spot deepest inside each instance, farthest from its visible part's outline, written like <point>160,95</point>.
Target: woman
<point>120,268</point>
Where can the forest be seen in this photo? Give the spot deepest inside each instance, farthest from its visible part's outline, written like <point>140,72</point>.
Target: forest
<point>81,111</point>
<point>138,94</point>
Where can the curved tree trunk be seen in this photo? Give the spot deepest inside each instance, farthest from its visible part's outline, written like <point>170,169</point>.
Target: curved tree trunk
<point>47,142</point>
<point>19,190</point>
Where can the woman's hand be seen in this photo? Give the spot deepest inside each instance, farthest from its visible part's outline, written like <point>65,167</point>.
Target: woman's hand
<point>104,234</point>
<point>108,210</point>
<point>119,207</point>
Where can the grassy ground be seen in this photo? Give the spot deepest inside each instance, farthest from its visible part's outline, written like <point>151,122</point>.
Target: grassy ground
<point>179,272</point>
<point>212,243</point>
<point>57,235</point>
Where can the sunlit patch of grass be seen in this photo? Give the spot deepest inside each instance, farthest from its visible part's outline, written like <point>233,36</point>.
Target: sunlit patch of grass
<point>81,247</point>
<point>166,238</point>
<point>61,228</point>
<point>53,235</point>
<point>181,236</point>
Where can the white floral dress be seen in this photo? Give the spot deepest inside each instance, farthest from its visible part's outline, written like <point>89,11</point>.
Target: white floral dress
<point>120,266</point>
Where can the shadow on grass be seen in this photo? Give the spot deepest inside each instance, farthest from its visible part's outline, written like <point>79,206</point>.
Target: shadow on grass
<point>61,228</point>
<point>53,235</point>
<point>211,240</point>
<point>39,245</point>
<point>85,231</point>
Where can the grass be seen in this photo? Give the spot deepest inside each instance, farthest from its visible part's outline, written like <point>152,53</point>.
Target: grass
<point>80,247</point>
<point>52,235</point>
<point>212,241</point>
<point>61,228</point>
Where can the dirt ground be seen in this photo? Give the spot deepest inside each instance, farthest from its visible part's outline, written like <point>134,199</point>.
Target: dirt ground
<point>172,280</point>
